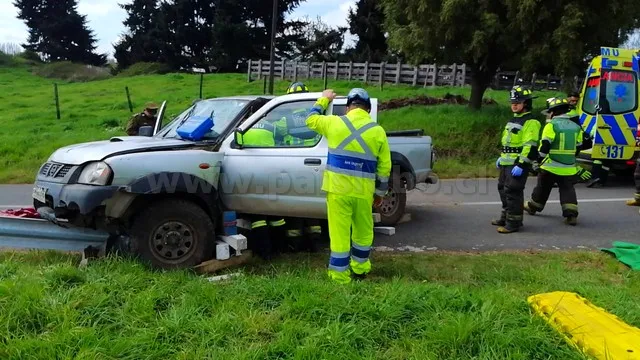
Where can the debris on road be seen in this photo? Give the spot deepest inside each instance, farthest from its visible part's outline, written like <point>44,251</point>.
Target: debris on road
<point>29,213</point>
<point>428,100</point>
<point>223,277</point>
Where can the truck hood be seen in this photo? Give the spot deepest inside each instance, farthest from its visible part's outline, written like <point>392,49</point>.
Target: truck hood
<point>98,150</point>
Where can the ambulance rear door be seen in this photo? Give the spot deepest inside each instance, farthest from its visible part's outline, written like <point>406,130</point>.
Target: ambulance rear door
<point>611,102</point>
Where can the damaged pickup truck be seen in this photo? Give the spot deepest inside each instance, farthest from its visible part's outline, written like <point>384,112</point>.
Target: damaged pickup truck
<point>161,195</point>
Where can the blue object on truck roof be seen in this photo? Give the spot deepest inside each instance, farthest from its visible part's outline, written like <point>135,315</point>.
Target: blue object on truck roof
<point>195,128</point>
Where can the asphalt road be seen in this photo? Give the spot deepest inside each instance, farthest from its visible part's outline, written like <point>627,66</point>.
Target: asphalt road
<point>456,215</point>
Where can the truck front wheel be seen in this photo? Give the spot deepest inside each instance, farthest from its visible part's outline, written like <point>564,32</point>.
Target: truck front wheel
<point>173,234</point>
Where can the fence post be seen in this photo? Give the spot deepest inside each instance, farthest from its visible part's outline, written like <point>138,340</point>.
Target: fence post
<point>426,76</point>
<point>366,71</point>
<point>126,88</point>
<point>249,70</point>
<point>533,81</point>
<point>295,70</point>
<point>350,70</point>
<point>55,94</point>
<point>398,72</point>
<point>284,69</point>
<point>454,67</point>
<point>435,75</point>
<point>548,81</point>
<point>309,68</point>
<point>415,75</point>
<point>337,69</point>
<point>464,74</point>
<point>383,66</point>
<point>324,74</point>
<point>259,69</point>
<point>201,80</point>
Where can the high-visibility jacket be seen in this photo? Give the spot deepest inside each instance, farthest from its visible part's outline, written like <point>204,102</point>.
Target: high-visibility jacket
<point>261,134</point>
<point>359,159</point>
<point>520,140</point>
<point>561,141</point>
<point>287,125</point>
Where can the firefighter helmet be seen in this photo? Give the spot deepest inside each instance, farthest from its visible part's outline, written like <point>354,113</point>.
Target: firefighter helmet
<point>297,87</point>
<point>520,94</point>
<point>557,106</point>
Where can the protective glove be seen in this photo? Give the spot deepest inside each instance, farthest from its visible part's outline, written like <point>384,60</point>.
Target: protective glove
<point>584,174</point>
<point>498,164</point>
<point>517,171</point>
<point>535,167</point>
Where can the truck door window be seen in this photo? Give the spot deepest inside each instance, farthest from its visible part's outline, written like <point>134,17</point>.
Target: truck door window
<point>288,124</point>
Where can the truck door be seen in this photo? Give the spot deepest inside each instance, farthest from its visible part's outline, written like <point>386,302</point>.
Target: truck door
<point>284,179</point>
<point>616,110</point>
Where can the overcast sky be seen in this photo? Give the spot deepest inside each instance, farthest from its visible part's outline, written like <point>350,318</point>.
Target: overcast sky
<point>105,19</point>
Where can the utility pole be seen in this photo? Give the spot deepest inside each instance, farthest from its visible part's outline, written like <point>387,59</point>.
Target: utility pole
<point>274,27</point>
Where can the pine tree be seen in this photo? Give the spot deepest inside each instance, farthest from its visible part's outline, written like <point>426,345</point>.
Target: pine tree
<point>367,22</point>
<point>58,32</point>
<point>144,40</point>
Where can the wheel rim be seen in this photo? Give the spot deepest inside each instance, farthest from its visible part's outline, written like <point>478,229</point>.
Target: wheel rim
<point>390,203</point>
<point>172,241</point>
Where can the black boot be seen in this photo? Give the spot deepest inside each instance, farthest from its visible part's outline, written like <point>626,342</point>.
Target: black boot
<point>501,221</point>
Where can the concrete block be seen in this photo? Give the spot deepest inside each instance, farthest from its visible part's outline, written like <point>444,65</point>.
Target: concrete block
<point>376,218</point>
<point>222,251</point>
<point>385,230</point>
<point>243,223</point>
<point>237,242</point>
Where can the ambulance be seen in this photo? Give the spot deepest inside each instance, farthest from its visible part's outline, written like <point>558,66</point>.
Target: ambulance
<point>609,108</point>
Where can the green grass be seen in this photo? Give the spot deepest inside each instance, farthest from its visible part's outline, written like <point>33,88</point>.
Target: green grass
<point>97,110</point>
<point>420,306</point>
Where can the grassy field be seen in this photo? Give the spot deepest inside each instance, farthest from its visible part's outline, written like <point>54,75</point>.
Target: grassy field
<point>466,141</point>
<point>420,306</point>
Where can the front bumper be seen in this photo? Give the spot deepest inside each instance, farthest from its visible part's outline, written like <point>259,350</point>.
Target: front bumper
<point>76,198</point>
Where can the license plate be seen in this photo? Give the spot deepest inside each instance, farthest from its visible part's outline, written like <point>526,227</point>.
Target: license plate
<point>39,193</point>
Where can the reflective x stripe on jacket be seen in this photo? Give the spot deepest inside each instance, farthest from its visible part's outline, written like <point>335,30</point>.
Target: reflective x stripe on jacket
<point>358,154</point>
<point>363,165</point>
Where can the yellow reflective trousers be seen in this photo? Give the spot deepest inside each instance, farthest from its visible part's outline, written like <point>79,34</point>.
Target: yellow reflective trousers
<point>347,214</point>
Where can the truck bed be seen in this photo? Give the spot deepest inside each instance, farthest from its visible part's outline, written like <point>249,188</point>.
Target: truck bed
<point>414,132</point>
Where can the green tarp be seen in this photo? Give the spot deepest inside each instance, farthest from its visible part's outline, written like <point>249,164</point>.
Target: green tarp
<point>626,253</point>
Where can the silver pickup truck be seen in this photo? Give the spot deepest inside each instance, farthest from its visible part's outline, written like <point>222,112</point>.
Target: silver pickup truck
<point>164,192</point>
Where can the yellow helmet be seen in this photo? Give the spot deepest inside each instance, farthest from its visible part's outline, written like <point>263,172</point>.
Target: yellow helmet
<point>297,87</point>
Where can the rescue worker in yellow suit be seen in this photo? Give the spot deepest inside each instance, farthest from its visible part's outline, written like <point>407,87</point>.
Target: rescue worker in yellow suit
<point>636,177</point>
<point>264,229</point>
<point>301,234</point>
<point>561,142</point>
<point>355,178</point>
<point>519,150</point>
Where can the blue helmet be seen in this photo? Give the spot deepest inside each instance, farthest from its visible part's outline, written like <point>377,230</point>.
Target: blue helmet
<point>359,96</point>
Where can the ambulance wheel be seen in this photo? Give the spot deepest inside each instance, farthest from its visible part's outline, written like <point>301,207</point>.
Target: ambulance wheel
<point>173,234</point>
<point>393,205</point>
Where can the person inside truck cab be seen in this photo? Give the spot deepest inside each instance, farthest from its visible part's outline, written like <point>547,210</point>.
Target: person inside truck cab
<point>146,118</point>
<point>291,129</point>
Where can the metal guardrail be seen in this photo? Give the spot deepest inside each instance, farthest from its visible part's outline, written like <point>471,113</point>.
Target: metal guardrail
<point>23,233</point>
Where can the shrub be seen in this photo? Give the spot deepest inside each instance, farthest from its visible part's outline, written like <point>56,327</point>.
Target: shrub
<point>68,71</point>
<point>145,68</point>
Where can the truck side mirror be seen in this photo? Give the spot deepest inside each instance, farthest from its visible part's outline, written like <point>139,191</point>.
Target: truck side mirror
<point>145,131</point>
<point>237,136</point>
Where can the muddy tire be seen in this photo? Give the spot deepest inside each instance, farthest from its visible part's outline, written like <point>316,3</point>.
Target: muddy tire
<point>173,234</point>
<point>394,204</point>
